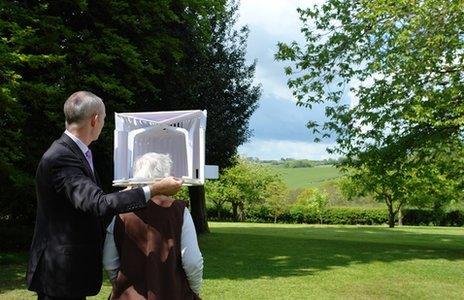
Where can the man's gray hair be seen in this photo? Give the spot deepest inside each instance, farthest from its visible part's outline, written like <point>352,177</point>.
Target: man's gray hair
<point>81,106</point>
<point>153,165</point>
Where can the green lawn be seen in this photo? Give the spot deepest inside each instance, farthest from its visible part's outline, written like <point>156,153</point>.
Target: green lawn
<point>265,261</point>
<point>306,177</point>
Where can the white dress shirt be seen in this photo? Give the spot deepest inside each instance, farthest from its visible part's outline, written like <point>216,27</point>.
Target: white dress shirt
<point>192,260</point>
<point>76,140</point>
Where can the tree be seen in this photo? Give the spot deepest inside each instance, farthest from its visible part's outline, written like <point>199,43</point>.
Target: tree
<point>298,163</point>
<point>277,198</point>
<point>136,55</point>
<point>17,30</point>
<point>214,75</point>
<point>403,62</point>
<point>115,49</point>
<point>215,194</point>
<point>218,79</point>
<point>420,179</point>
<point>311,199</point>
<point>198,208</point>
<point>441,181</point>
<point>245,185</point>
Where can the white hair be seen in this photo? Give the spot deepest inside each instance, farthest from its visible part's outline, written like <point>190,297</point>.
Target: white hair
<point>153,165</point>
<point>82,105</point>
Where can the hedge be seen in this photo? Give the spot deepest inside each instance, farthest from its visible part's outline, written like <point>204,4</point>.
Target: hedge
<point>333,215</point>
<point>18,237</point>
<point>433,217</point>
<point>345,215</point>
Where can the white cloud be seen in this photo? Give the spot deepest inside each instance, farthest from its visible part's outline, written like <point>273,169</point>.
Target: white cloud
<point>279,124</point>
<point>271,21</point>
<point>277,17</point>
<point>274,84</point>
<point>276,149</point>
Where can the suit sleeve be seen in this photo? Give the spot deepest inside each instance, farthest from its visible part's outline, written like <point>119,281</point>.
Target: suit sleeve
<point>69,179</point>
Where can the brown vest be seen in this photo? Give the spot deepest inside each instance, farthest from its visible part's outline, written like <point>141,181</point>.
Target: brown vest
<point>148,243</point>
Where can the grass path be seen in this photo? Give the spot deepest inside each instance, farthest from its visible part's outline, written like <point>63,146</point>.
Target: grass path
<point>265,261</point>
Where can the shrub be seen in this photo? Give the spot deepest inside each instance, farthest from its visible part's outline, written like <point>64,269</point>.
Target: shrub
<point>344,216</point>
<point>455,218</point>
<point>416,216</point>
<point>301,163</point>
<point>15,237</point>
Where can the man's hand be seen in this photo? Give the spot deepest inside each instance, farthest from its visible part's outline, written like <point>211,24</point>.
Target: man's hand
<point>167,186</point>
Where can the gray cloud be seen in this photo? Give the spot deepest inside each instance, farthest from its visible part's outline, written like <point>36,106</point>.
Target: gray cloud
<point>280,119</point>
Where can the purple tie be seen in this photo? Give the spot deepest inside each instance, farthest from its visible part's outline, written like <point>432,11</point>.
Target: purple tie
<point>88,156</point>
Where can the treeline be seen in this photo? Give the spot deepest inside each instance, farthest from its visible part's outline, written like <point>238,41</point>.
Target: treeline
<point>253,192</point>
<point>137,56</point>
<point>295,163</point>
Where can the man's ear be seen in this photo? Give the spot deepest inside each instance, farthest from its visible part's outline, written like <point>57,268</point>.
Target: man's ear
<point>94,120</point>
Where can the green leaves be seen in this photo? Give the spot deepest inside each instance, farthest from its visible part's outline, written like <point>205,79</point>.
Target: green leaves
<point>136,55</point>
<point>311,199</point>
<point>246,185</point>
<point>402,61</point>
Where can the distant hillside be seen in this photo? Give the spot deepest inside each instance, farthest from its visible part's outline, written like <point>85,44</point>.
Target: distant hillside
<point>295,163</point>
<point>306,177</point>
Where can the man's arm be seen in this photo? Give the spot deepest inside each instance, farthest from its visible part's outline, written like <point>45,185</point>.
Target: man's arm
<point>84,194</point>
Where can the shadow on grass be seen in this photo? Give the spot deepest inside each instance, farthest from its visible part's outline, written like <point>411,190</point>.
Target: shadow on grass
<point>244,251</point>
<point>248,253</point>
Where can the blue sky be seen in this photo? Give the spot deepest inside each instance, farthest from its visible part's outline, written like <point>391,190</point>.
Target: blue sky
<point>279,126</point>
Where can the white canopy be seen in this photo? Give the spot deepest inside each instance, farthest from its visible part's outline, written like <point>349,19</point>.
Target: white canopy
<point>181,134</point>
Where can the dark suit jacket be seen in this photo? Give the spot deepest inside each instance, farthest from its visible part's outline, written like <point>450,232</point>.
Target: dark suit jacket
<point>66,252</point>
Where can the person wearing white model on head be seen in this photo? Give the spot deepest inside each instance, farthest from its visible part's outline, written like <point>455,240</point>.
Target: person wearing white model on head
<point>154,253</point>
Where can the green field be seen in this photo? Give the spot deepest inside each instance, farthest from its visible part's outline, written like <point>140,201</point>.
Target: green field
<point>306,177</point>
<point>266,261</point>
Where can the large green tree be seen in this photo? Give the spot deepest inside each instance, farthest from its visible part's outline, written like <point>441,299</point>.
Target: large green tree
<point>245,185</point>
<point>425,178</point>
<point>403,64</point>
<point>112,48</point>
<point>216,78</point>
<point>133,54</point>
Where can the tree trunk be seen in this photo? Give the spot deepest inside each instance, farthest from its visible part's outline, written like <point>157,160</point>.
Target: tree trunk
<point>391,214</point>
<point>275,219</point>
<point>234,211</point>
<point>198,208</point>
<point>241,212</point>
<point>391,219</point>
<point>438,213</point>
<point>400,216</point>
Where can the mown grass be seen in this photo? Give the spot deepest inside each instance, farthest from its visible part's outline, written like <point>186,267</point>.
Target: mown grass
<point>306,177</point>
<point>267,261</point>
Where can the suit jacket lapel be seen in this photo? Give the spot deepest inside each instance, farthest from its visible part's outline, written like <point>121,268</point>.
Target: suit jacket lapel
<point>68,142</point>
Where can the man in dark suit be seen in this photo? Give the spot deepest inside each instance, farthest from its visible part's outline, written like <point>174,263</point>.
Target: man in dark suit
<point>66,251</point>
